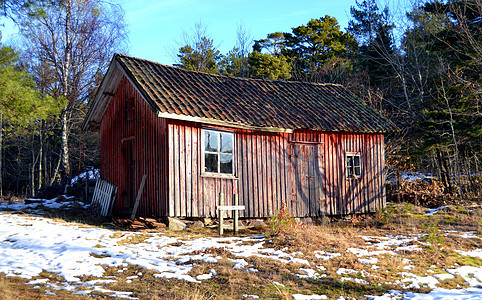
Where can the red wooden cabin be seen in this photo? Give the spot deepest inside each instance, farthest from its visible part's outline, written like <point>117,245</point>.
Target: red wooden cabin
<point>314,147</point>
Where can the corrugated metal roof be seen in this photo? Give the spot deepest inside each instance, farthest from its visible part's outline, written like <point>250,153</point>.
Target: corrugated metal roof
<point>251,102</point>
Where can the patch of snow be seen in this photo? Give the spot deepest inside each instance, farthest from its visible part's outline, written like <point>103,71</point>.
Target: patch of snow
<point>414,281</point>
<point>436,294</point>
<point>251,296</point>
<point>409,248</point>
<point>325,255</point>
<point>392,294</point>
<point>122,295</point>
<point>469,235</point>
<point>99,281</point>
<point>308,297</point>
<point>414,176</point>
<point>29,245</point>
<point>356,280</point>
<point>36,207</point>
<point>444,276</point>
<point>299,261</point>
<point>239,264</point>
<point>473,253</point>
<point>342,271</point>
<point>309,273</point>
<point>433,211</point>
<point>278,284</point>
<point>472,275</point>
<point>209,275</point>
<point>92,174</point>
<point>363,252</point>
<point>321,268</point>
<point>82,292</point>
<point>38,281</point>
<point>368,261</point>
<point>406,261</point>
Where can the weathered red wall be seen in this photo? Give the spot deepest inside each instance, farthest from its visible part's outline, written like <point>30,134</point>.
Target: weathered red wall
<point>270,172</point>
<point>148,133</point>
<point>271,168</point>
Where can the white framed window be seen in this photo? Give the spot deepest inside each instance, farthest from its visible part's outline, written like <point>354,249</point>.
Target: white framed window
<point>353,165</point>
<point>218,151</point>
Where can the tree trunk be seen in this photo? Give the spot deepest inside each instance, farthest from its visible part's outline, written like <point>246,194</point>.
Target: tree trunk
<point>66,68</point>
<point>444,171</point>
<point>65,145</point>
<point>56,172</point>
<point>1,154</point>
<point>41,157</point>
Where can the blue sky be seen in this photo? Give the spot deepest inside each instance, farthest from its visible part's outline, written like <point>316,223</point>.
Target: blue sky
<point>156,27</point>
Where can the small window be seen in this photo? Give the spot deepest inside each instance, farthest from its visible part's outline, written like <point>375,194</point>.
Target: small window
<point>353,165</point>
<point>218,152</point>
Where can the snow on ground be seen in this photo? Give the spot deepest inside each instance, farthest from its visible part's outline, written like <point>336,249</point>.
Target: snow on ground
<point>37,205</point>
<point>91,174</point>
<point>30,244</point>
<point>436,294</point>
<point>433,211</point>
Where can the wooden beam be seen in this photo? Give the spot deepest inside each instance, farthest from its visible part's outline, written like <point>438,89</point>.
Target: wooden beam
<point>221,208</point>
<point>231,207</point>
<point>236,214</point>
<point>138,198</point>
<point>221,123</point>
<point>221,214</point>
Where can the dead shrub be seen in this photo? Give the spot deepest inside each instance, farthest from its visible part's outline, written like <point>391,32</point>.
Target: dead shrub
<point>418,192</point>
<point>310,238</point>
<point>282,220</point>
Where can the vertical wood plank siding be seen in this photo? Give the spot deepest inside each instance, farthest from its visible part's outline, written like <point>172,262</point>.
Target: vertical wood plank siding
<point>270,171</point>
<point>305,170</point>
<point>148,133</point>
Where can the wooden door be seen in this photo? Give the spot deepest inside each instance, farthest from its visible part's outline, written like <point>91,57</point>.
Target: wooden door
<point>309,179</point>
<point>128,188</point>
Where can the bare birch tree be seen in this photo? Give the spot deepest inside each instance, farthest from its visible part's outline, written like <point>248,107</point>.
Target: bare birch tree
<point>75,39</point>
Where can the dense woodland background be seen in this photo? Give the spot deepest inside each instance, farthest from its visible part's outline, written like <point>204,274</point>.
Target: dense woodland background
<point>421,68</point>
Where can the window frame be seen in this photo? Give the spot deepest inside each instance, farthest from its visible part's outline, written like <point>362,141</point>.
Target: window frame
<point>217,174</point>
<point>360,165</point>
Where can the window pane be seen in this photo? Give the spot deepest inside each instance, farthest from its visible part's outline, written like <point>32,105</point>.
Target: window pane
<point>358,171</point>
<point>356,160</point>
<point>211,141</point>
<point>210,162</point>
<point>349,172</point>
<point>349,161</point>
<point>226,163</point>
<point>226,142</point>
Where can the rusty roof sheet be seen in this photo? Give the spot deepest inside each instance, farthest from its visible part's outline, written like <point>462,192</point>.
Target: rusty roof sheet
<point>251,102</point>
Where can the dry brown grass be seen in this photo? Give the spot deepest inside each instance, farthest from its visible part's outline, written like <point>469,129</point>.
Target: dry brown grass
<point>334,238</point>
<point>437,254</point>
<point>13,288</point>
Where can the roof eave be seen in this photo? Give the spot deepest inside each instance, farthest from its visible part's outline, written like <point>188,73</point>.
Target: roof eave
<point>102,98</point>
<point>215,122</point>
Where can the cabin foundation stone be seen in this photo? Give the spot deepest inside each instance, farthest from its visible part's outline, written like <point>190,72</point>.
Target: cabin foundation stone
<point>174,224</point>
